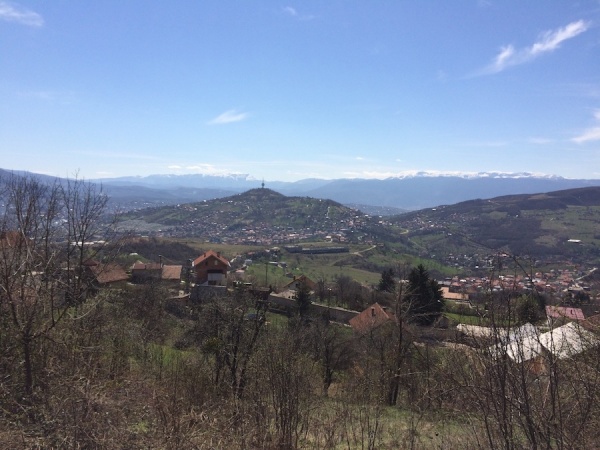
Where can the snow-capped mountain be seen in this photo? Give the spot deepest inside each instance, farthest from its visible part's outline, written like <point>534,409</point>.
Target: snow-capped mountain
<point>407,191</point>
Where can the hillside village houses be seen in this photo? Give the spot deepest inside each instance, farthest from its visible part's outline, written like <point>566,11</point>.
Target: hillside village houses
<point>372,317</point>
<point>558,284</point>
<point>145,272</point>
<point>525,344</point>
<point>211,269</point>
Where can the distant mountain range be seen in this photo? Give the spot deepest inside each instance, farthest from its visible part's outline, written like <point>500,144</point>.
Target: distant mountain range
<point>381,197</point>
<point>419,191</point>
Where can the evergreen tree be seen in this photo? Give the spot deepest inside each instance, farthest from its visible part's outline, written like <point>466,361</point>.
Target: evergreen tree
<point>303,299</point>
<point>423,301</point>
<point>387,283</point>
<point>527,309</point>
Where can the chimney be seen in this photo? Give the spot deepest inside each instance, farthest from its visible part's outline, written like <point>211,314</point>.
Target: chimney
<point>372,311</point>
<point>219,254</point>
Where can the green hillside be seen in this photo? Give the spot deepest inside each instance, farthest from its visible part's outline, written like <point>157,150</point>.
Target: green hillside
<point>551,227</point>
<point>562,224</point>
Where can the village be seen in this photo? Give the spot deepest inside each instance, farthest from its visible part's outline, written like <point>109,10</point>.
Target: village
<point>567,292</point>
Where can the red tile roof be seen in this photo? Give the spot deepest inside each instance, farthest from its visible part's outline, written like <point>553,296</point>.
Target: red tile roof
<point>171,272</point>
<point>558,312</point>
<point>108,273</point>
<point>208,254</point>
<point>371,318</point>
<point>301,279</point>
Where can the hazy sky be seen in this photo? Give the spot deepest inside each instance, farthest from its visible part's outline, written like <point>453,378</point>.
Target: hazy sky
<point>291,90</point>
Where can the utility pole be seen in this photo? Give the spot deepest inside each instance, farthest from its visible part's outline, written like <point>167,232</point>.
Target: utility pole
<point>266,273</point>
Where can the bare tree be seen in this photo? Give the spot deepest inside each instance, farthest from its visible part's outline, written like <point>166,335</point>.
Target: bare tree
<point>229,328</point>
<point>532,388</point>
<point>289,383</point>
<point>45,235</point>
<point>332,346</point>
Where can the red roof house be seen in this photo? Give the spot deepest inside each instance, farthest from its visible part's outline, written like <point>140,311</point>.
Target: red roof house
<point>372,317</point>
<point>141,272</point>
<point>563,314</point>
<point>171,273</point>
<point>211,268</point>
<point>106,274</point>
<point>293,285</point>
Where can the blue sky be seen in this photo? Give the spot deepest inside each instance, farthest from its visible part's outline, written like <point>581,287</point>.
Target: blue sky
<point>293,90</point>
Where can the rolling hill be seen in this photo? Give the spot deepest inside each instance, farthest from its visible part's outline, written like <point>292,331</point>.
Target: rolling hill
<point>553,226</point>
<point>261,216</point>
<point>560,224</point>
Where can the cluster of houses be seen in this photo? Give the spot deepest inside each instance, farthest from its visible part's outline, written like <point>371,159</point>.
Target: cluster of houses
<point>559,282</point>
<point>215,227</point>
<point>210,268</point>
<point>566,334</point>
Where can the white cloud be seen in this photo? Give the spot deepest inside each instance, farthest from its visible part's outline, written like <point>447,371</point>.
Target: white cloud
<point>551,40</point>
<point>591,134</point>
<point>548,42</point>
<point>12,12</point>
<point>290,11</point>
<point>230,116</point>
<point>293,12</point>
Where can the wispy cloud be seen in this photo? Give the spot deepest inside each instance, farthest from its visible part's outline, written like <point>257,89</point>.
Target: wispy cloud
<point>290,11</point>
<point>548,42</point>
<point>591,134</point>
<point>230,116</point>
<point>293,12</point>
<point>11,12</point>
